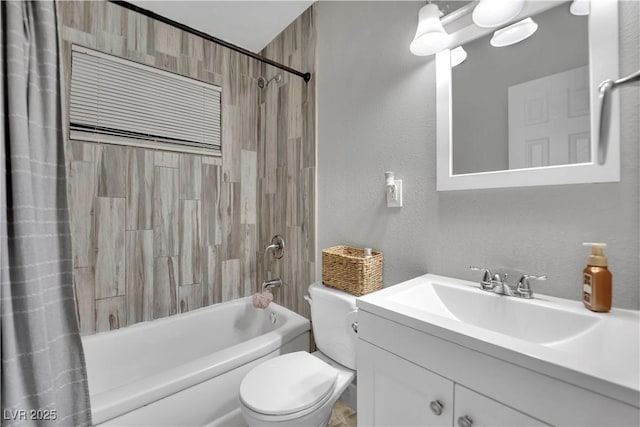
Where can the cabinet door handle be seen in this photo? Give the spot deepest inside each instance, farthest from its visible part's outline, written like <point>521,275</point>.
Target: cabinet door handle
<point>465,421</point>
<point>436,407</point>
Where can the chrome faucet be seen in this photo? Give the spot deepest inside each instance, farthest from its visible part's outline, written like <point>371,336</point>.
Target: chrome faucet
<point>273,283</point>
<point>494,283</point>
<point>501,287</point>
<point>497,283</point>
<point>276,246</point>
<point>486,283</point>
<point>524,288</point>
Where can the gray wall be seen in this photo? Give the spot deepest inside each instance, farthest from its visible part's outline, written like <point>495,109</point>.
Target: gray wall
<point>376,112</point>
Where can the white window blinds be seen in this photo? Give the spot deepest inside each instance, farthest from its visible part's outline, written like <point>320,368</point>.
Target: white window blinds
<point>118,101</point>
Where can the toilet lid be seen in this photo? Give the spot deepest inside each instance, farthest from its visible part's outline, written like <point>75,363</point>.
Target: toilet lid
<point>286,384</point>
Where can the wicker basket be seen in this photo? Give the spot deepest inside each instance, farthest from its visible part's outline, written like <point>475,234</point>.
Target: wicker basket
<point>347,269</point>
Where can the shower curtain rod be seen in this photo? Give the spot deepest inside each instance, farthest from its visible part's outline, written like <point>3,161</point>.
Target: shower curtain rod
<point>305,76</point>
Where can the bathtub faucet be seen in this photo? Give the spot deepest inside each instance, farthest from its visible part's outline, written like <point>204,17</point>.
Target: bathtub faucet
<point>276,246</point>
<point>273,283</point>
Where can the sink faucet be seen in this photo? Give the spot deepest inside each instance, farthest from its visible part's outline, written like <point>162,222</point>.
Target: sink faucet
<point>501,287</point>
<point>497,283</point>
<point>494,283</point>
<point>486,284</point>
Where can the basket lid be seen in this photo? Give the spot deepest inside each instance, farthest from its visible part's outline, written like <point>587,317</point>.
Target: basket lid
<point>344,250</point>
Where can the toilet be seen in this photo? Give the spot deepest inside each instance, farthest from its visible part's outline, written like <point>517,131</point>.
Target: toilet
<point>300,388</point>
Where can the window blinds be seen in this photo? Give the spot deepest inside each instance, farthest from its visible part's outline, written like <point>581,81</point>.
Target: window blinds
<point>118,101</point>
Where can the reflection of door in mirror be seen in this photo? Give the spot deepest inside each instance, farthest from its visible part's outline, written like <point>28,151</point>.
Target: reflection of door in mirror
<point>549,120</point>
<point>510,105</point>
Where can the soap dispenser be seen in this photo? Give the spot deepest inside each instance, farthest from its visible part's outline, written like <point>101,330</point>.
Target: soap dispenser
<point>596,287</point>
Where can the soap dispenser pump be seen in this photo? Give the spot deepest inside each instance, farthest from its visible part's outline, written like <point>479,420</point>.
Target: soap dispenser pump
<point>596,288</point>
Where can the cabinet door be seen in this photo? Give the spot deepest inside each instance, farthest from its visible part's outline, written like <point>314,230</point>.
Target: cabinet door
<point>475,410</point>
<point>395,392</point>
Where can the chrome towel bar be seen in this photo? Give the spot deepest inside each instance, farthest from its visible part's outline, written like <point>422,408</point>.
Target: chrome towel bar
<point>605,89</point>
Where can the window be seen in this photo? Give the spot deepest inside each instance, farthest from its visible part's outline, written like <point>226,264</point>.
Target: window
<point>117,101</point>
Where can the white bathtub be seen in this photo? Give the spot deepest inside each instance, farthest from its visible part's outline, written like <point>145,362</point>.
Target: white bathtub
<point>186,369</point>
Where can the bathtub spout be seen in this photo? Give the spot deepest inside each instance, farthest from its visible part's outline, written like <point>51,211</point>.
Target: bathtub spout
<point>273,283</point>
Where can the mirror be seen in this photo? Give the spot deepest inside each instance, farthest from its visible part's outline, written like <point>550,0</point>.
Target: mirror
<point>527,114</point>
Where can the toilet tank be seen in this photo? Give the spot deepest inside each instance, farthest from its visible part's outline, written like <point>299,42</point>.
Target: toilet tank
<point>333,313</point>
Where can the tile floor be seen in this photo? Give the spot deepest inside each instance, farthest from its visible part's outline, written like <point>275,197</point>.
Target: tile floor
<point>343,416</point>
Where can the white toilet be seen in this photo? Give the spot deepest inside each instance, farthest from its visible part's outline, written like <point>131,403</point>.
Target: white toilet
<point>299,389</point>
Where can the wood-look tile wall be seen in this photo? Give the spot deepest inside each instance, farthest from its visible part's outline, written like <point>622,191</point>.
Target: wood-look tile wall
<point>286,162</point>
<point>157,233</point>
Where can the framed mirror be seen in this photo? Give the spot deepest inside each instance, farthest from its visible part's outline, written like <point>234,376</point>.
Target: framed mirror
<point>527,114</point>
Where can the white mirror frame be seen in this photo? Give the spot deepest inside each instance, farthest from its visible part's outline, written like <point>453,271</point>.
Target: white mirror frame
<point>603,64</point>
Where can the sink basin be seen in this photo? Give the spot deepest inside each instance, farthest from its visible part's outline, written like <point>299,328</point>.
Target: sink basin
<point>530,320</point>
<point>553,336</point>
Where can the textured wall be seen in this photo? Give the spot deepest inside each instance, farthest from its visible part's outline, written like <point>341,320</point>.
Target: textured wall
<point>286,163</point>
<point>376,112</point>
<point>158,233</point>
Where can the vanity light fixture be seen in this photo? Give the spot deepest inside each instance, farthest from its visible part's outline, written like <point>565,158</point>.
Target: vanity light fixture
<point>580,7</point>
<point>430,35</point>
<point>494,13</point>
<point>514,33</point>
<point>458,55</point>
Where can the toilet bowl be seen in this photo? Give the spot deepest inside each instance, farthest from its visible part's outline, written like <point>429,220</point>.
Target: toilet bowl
<point>300,389</point>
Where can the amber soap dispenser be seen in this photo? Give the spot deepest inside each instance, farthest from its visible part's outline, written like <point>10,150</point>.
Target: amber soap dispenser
<point>596,287</point>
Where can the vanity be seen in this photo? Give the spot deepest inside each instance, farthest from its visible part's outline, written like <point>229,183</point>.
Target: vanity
<point>438,351</point>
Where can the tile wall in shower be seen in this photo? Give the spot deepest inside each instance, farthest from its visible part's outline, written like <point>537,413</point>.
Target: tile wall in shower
<point>158,233</point>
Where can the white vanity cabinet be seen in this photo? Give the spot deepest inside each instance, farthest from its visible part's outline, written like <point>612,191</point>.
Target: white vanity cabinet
<point>395,392</point>
<point>403,372</point>
<point>473,409</point>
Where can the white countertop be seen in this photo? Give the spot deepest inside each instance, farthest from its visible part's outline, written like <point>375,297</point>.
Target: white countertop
<point>603,358</point>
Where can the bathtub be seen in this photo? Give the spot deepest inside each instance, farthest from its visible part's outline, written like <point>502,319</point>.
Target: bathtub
<point>186,369</point>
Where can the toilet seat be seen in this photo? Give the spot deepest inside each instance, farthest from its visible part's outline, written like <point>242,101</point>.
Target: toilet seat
<point>287,386</point>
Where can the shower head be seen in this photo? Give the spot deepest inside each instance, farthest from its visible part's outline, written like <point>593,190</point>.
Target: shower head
<point>263,82</point>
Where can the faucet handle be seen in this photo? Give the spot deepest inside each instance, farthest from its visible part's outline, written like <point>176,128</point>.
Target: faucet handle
<point>487,279</point>
<point>277,246</point>
<point>525,277</point>
<point>487,272</point>
<point>524,288</point>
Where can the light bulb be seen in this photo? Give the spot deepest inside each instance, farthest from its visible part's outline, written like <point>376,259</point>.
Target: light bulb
<point>494,13</point>
<point>458,55</point>
<point>514,33</point>
<point>430,35</point>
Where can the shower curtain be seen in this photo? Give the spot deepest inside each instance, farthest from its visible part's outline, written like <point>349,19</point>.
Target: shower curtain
<point>43,372</point>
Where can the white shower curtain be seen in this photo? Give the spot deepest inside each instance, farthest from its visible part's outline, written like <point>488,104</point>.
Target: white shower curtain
<point>43,373</point>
